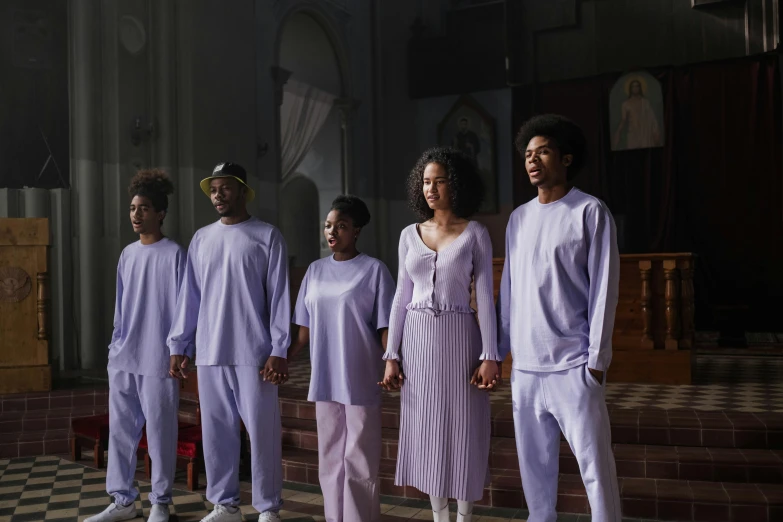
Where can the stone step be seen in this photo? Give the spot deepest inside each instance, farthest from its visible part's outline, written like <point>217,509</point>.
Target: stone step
<point>633,460</point>
<point>52,419</point>
<point>35,443</point>
<point>685,427</point>
<point>53,400</point>
<point>659,499</point>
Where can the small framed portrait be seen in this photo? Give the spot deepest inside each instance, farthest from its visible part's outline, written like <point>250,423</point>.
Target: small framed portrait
<point>636,112</point>
<point>470,128</point>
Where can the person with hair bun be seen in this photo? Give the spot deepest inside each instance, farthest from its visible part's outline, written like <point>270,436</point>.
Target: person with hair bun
<point>141,391</point>
<point>450,359</point>
<point>343,313</point>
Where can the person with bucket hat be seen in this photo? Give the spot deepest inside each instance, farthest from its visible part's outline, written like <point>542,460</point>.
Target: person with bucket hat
<point>234,304</point>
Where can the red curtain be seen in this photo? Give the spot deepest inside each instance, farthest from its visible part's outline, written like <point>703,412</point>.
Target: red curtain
<point>715,188</point>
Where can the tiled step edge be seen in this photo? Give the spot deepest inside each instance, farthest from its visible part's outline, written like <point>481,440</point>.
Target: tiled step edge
<point>633,461</point>
<point>641,498</point>
<point>629,426</point>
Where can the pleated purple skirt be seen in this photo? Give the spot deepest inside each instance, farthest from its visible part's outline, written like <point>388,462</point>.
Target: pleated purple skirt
<point>444,421</point>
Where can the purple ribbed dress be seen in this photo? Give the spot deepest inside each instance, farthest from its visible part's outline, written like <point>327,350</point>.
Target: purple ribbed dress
<point>445,422</point>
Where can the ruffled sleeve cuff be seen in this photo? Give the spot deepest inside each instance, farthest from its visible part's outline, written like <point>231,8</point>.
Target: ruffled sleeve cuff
<point>488,356</point>
<point>391,355</point>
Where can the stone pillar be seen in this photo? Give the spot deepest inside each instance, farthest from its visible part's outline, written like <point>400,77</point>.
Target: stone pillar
<point>347,108</point>
<point>9,203</point>
<point>269,211</point>
<point>36,203</point>
<point>164,118</point>
<point>84,58</point>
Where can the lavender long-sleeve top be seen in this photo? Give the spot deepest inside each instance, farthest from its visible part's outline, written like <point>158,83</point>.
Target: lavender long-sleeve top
<point>148,281</point>
<point>439,282</point>
<point>234,300</point>
<point>560,284</point>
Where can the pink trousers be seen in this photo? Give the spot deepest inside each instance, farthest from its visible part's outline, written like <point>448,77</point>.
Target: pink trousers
<point>349,455</point>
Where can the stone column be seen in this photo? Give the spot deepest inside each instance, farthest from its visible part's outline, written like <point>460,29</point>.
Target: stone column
<point>164,136</point>
<point>347,108</point>
<point>84,65</point>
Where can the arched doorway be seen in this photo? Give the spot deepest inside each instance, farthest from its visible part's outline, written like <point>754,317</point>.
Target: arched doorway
<point>300,220</point>
<point>311,141</point>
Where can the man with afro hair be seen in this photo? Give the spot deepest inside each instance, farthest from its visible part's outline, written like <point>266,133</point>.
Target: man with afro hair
<point>556,312</point>
<point>141,391</point>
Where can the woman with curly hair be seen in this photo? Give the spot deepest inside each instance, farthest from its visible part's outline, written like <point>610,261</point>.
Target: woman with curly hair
<point>141,391</point>
<point>434,334</point>
<point>343,314</point>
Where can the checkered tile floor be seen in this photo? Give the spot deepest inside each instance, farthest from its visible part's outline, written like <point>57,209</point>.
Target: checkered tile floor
<point>746,384</point>
<point>53,489</point>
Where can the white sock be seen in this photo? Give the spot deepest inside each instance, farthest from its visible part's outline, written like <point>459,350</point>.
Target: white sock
<point>464,511</point>
<point>438,503</point>
<point>464,508</point>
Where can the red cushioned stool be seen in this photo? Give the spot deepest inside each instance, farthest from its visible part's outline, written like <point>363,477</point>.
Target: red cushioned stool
<point>188,448</point>
<point>90,432</point>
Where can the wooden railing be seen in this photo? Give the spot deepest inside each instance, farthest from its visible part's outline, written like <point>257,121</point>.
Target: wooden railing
<point>656,305</point>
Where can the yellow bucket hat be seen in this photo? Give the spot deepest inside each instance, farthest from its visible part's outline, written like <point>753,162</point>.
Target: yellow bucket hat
<point>228,170</point>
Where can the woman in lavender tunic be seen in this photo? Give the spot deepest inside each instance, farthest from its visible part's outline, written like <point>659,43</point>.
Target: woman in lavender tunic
<point>434,335</point>
<point>343,313</point>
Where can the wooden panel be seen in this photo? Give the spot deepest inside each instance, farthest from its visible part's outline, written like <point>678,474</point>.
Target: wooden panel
<point>497,274</point>
<point>24,306</point>
<point>651,366</point>
<point>27,379</point>
<point>24,231</point>
<point>19,344</point>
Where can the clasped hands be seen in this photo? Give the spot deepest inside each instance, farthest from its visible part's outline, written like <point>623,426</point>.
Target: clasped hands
<point>275,370</point>
<point>485,377</point>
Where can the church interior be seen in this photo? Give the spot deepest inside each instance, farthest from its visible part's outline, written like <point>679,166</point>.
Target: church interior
<point>680,101</point>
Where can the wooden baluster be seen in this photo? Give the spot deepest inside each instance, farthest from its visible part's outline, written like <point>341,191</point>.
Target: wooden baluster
<point>43,305</point>
<point>645,270</point>
<point>672,297</point>
<point>687,302</point>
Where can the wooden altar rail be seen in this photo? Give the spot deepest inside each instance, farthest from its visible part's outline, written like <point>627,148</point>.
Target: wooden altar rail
<point>654,330</point>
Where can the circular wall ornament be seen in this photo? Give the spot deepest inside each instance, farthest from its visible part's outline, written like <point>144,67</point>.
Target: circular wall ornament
<point>15,284</point>
<point>132,34</point>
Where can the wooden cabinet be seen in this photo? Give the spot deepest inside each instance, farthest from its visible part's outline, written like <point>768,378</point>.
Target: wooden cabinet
<point>24,305</point>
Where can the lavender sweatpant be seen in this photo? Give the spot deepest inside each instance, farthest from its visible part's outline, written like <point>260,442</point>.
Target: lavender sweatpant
<point>571,401</point>
<point>228,394</point>
<point>133,401</point>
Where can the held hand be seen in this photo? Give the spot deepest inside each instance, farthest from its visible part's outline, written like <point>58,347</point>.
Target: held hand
<point>393,377</point>
<point>488,375</point>
<point>178,366</point>
<point>598,375</point>
<point>275,370</point>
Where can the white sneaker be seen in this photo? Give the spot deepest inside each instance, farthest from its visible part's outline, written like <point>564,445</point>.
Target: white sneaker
<point>114,513</point>
<point>269,516</point>
<point>159,513</point>
<point>223,514</point>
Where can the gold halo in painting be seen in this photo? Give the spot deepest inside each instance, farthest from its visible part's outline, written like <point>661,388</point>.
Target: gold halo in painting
<point>633,78</point>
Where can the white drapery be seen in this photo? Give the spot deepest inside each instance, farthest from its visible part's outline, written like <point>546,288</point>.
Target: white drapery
<point>302,114</point>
